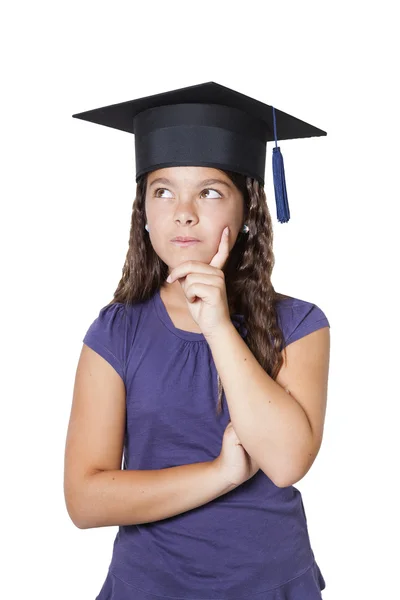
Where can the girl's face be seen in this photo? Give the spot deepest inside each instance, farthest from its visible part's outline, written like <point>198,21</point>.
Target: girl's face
<point>186,201</point>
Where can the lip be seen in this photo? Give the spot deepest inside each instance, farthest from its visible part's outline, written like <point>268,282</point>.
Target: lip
<point>184,244</point>
<point>184,238</point>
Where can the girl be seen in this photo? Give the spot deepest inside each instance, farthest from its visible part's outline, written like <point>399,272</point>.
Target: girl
<point>210,389</point>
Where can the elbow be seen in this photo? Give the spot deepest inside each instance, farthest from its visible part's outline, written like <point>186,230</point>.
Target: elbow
<point>279,481</point>
<point>287,482</point>
<point>77,511</point>
<point>81,521</point>
<point>78,524</point>
<point>291,470</point>
<point>81,502</point>
<point>287,475</point>
<point>280,476</point>
<point>83,515</point>
<point>77,516</point>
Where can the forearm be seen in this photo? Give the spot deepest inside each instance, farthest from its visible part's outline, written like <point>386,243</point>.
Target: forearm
<point>270,424</point>
<point>131,497</point>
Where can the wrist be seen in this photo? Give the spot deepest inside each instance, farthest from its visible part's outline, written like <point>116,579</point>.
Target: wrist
<point>220,476</point>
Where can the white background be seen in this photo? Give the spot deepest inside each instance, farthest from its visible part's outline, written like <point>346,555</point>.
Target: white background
<point>67,193</point>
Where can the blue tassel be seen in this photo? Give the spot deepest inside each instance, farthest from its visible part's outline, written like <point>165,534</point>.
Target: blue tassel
<point>281,199</point>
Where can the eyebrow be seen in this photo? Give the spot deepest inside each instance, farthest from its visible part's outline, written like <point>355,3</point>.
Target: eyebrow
<point>200,183</point>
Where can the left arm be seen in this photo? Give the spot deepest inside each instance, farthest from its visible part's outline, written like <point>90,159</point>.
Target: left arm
<point>280,429</point>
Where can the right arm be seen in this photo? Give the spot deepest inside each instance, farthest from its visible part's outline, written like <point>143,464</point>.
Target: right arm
<point>130,497</point>
<point>97,492</point>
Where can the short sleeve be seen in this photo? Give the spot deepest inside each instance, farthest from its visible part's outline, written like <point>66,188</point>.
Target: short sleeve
<point>305,318</point>
<point>107,336</point>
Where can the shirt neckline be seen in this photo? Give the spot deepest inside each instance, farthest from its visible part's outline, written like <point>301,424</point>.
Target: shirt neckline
<point>166,319</point>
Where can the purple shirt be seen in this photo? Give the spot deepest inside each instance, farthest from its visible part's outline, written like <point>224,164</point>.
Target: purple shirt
<point>251,541</point>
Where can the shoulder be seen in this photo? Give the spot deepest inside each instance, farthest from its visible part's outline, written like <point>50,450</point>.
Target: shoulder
<point>112,316</point>
<point>110,333</point>
<point>298,317</point>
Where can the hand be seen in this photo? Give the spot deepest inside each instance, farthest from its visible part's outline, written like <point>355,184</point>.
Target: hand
<point>234,464</point>
<point>204,287</point>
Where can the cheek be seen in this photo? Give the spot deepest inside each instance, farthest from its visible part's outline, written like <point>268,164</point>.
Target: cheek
<point>156,224</point>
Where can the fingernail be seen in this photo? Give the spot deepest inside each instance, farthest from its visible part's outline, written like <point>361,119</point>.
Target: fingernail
<point>169,278</point>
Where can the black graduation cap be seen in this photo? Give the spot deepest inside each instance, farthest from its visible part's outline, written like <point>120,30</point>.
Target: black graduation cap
<point>206,125</point>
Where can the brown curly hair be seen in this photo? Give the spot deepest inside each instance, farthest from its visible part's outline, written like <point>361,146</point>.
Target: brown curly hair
<point>247,272</point>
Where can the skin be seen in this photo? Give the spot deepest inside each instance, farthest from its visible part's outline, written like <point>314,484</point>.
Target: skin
<point>184,207</point>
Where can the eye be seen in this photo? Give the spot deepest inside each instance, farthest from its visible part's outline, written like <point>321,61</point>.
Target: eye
<point>158,190</point>
<point>205,190</point>
<point>211,190</point>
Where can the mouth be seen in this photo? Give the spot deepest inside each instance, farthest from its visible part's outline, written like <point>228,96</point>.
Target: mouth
<point>186,243</point>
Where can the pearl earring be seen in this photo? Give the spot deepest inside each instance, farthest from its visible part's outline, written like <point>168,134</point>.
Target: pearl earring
<point>146,227</point>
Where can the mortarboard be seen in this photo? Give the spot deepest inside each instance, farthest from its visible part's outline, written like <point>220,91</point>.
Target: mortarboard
<point>206,125</point>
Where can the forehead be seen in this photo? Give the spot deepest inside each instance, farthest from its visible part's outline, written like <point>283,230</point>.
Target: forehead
<point>187,175</point>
